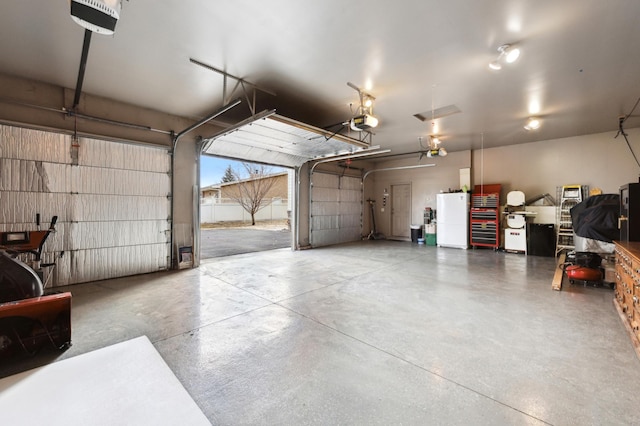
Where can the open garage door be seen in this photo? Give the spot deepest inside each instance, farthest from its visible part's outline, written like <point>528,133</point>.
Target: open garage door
<point>268,138</point>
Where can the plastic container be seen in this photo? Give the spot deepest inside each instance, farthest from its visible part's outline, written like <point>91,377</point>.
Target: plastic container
<point>431,239</point>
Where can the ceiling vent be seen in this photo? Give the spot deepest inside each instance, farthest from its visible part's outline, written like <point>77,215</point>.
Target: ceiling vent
<point>437,113</point>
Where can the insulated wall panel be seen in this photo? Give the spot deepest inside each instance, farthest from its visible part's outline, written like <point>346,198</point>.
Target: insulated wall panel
<point>336,209</point>
<point>112,203</point>
<point>124,156</point>
<point>34,145</point>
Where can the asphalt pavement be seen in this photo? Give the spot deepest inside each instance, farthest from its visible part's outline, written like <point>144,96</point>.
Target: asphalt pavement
<point>226,242</point>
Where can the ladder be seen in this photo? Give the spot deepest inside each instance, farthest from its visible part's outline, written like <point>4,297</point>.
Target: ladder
<point>569,196</point>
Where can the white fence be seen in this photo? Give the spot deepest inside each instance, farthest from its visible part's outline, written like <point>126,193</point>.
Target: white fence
<point>212,212</point>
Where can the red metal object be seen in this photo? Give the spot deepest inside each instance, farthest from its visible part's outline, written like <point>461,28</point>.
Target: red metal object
<point>29,324</point>
<point>582,273</point>
<point>29,318</point>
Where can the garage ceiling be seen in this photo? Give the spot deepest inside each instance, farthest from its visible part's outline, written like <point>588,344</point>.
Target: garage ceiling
<point>578,69</point>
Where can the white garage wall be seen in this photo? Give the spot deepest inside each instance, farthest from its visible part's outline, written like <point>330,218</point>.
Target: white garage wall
<point>336,209</point>
<point>597,160</point>
<point>112,207</point>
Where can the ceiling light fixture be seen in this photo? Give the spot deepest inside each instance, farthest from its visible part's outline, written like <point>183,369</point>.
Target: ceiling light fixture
<point>508,52</point>
<point>98,16</point>
<point>533,124</point>
<point>433,150</point>
<point>364,118</point>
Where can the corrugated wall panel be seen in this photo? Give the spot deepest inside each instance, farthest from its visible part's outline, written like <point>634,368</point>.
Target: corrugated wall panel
<point>336,209</point>
<point>112,208</point>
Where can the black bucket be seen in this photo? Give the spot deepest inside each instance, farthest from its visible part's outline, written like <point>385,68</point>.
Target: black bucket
<point>416,232</point>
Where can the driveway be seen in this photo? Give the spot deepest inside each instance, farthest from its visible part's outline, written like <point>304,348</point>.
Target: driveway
<point>220,242</point>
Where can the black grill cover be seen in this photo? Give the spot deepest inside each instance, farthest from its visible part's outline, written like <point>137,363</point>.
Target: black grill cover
<point>597,218</point>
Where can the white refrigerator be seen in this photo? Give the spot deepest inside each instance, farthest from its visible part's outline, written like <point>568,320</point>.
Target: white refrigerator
<point>453,219</point>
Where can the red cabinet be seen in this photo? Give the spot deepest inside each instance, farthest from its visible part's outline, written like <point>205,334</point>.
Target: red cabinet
<point>485,216</point>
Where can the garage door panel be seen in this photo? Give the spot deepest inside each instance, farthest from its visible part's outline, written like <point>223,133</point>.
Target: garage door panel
<point>324,208</point>
<point>32,175</point>
<point>93,180</point>
<point>349,221</point>
<point>325,237</point>
<point>20,208</point>
<point>338,221</point>
<point>35,145</point>
<point>270,138</point>
<point>113,207</point>
<point>94,235</point>
<point>91,207</point>
<point>123,156</point>
<point>325,194</point>
<point>325,180</point>
<point>111,262</point>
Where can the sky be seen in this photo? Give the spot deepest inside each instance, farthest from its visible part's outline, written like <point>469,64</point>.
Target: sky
<point>212,169</point>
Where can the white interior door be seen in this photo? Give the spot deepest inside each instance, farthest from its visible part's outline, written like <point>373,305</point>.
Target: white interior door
<point>401,210</point>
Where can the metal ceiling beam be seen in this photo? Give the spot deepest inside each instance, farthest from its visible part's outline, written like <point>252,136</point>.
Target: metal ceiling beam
<point>240,82</point>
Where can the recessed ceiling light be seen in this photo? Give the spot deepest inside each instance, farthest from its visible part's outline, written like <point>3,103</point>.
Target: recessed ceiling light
<point>512,55</point>
<point>507,52</point>
<point>532,124</point>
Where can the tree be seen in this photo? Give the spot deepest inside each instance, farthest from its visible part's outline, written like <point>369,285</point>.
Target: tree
<point>253,184</point>
<point>228,175</point>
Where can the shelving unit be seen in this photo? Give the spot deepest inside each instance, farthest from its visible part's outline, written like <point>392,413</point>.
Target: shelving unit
<point>485,216</point>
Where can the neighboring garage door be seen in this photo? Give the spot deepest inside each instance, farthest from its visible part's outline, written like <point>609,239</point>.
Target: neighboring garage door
<point>336,209</point>
<point>111,199</point>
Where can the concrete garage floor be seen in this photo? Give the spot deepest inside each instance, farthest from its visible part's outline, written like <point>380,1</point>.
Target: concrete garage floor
<point>376,332</point>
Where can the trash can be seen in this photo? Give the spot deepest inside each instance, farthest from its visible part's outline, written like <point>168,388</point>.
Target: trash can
<point>431,239</point>
<point>416,232</point>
